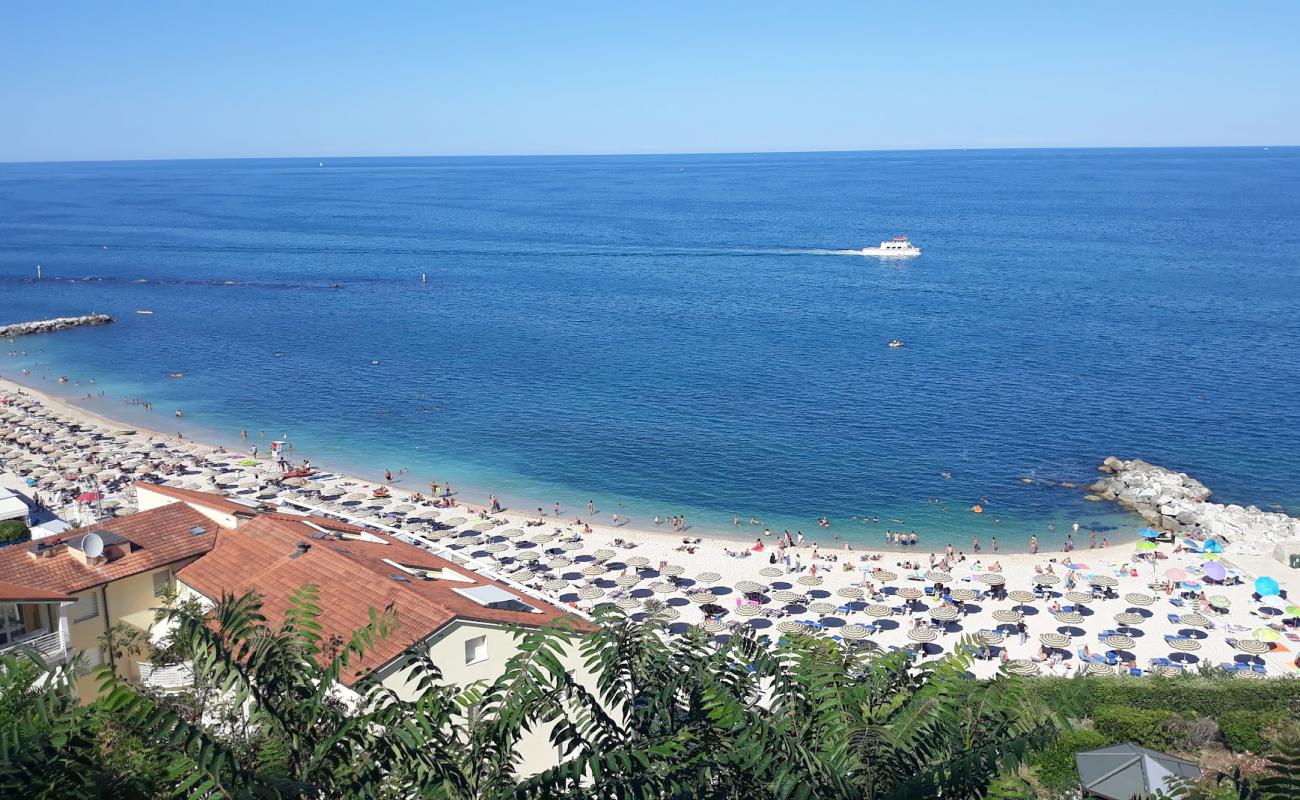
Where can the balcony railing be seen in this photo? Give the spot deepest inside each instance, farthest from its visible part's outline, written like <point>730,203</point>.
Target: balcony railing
<point>168,677</point>
<point>48,645</point>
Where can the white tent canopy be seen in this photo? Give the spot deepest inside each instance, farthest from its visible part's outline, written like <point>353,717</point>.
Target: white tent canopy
<point>12,506</point>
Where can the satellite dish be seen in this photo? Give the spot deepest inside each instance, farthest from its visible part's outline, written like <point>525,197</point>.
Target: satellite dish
<point>92,545</point>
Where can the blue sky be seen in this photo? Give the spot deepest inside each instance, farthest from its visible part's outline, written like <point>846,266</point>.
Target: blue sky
<point>96,80</point>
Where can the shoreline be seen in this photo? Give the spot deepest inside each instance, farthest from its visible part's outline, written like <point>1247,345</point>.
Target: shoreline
<point>1123,530</point>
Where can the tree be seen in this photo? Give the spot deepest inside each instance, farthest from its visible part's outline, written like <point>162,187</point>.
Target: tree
<point>13,531</point>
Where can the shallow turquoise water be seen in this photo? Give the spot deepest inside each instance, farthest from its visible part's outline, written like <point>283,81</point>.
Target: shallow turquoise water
<point>677,335</point>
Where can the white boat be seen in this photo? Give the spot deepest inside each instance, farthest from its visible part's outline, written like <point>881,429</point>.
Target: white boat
<point>898,246</point>
<point>895,343</point>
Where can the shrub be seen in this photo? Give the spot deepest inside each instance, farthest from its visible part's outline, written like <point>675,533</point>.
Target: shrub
<point>1149,728</point>
<point>14,530</point>
<point>1248,731</point>
<point>1187,696</point>
<point>1055,766</point>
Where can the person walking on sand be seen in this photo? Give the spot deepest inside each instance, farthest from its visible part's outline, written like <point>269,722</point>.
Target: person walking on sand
<point>615,519</point>
<point>591,509</point>
<point>799,540</point>
<point>994,544</point>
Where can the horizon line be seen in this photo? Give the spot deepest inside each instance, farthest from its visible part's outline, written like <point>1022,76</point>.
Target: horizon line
<point>982,148</point>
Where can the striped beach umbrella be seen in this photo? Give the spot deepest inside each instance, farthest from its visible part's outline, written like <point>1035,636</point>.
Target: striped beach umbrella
<point>770,572</point>
<point>713,626</point>
<point>1254,646</point>
<point>937,576</point>
<point>627,603</point>
<point>823,607</point>
<point>1054,639</point>
<point>1021,596</point>
<point>1183,643</point>
<point>591,592</point>
<point>603,554</point>
<point>481,527</point>
<point>1047,579</point>
<point>810,580</point>
<point>703,598</point>
<point>1007,615</point>
<point>990,637</point>
<point>497,547</point>
<point>851,592</point>
<point>569,547</point>
<point>1119,641</point>
<point>556,585</point>
<point>1096,668</point>
<point>909,593</point>
<point>707,577</point>
<point>1078,597</point>
<point>592,570</point>
<point>1139,599</point>
<point>559,562</point>
<point>1103,580</point>
<point>1168,671</point>
<point>1195,619</point>
<point>884,575</point>
<point>1218,601</point>
<point>1021,666</point>
<point>663,587</point>
<point>627,581</point>
<point>943,613</point>
<point>993,578</point>
<point>672,570</point>
<point>878,610</point>
<point>785,595</point>
<point>748,609</point>
<point>1250,674</point>
<point>750,587</point>
<point>1069,617</point>
<point>921,635</point>
<point>964,595</point>
<point>790,626</point>
<point>1128,618</point>
<point>637,561</point>
<point>854,631</point>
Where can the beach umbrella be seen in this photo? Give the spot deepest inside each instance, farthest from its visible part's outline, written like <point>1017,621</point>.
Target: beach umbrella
<point>530,556</point>
<point>851,592</point>
<point>1119,641</point>
<point>1218,601</point>
<point>909,593</point>
<point>627,603</point>
<point>89,497</point>
<point>748,609</point>
<point>1007,615</point>
<point>1146,545</point>
<point>1103,580</point>
<point>627,581</point>
<point>1168,671</point>
<point>1139,599</point>
<point>1128,618</point>
<point>713,626</point>
<point>668,612</point>
<point>884,575</point>
<point>1054,639</point>
<point>938,577</point>
<point>1272,600</point>
<point>480,527</point>
<point>1265,586</point>
<point>1078,597</point>
<point>790,626</point>
<point>964,595</point>
<point>1096,668</point>
<point>637,561</point>
<point>513,532</point>
<point>991,637</point>
<point>943,613</point>
<point>663,587</point>
<point>810,580</point>
<point>603,554</point>
<point>569,547</point>
<point>1293,611</point>
<point>703,598</point>
<point>993,578</point>
<point>556,585</point>
<point>1176,574</point>
<point>1254,646</point>
<point>854,631</point>
<point>592,570</point>
<point>497,547</point>
<point>1021,596</point>
<point>1183,643</point>
<point>1250,674</point>
<point>1215,571</point>
<point>823,607</point>
<point>750,587</point>
<point>770,572</point>
<point>524,575</point>
<point>591,592</point>
<point>878,610</point>
<point>921,635</point>
<point>785,596</point>
<point>559,562</point>
<point>1069,617</point>
<point>1047,579</point>
<point>452,521</point>
<point>1266,635</point>
<point>1195,619</point>
<point>672,570</point>
<point>707,577</point>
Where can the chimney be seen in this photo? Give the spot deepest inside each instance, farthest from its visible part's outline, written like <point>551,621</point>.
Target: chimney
<point>301,550</point>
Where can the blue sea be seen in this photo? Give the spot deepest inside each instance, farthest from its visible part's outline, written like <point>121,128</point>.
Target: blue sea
<point>684,335</point>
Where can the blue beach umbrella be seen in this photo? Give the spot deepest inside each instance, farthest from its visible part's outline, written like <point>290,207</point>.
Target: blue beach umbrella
<point>1265,586</point>
<point>1212,546</point>
<point>1149,533</point>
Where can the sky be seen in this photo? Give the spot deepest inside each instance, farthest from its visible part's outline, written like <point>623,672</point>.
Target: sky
<point>131,80</point>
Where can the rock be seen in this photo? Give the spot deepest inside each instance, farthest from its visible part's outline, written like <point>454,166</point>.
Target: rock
<point>1092,498</point>
<point>1105,469</point>
<point>51,325</point>
<point>1113,463</point>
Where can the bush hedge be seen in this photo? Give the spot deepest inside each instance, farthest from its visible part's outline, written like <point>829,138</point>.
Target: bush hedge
<point>14,530</point>
<point>1186,696</point>
<point>1055,767</point>
<point>1147,727</point>
<point>1248,731</point>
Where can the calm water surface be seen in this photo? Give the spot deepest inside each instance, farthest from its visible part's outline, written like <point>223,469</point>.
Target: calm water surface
<point>677,334</point>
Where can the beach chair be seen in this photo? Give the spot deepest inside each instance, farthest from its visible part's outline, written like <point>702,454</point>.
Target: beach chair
<point>1259,668</point>
<point>1136,672</point>
<point>1176,601</point>
<point>1173,618</point>
<point>1233,666</point>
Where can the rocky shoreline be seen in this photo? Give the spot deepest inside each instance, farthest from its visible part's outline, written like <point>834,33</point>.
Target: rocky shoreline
<point>1175,501</point>
<point>51,325</point>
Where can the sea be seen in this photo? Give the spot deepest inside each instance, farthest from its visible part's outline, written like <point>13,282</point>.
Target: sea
<point>693,335</point>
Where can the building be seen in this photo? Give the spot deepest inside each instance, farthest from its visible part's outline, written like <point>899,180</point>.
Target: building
<point>13,506</point>
<point>61,593</point>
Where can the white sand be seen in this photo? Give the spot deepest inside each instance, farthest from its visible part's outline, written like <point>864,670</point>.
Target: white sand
<point>712,555</point>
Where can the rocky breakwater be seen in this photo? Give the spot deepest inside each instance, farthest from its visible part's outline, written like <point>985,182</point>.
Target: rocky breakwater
<point>51,325</point>
<point>1174,501</point>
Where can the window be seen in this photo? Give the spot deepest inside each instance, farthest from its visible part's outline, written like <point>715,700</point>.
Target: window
<point>476,650</point>
<point>11,623</point>
<point>86,607</point>
<point>162,582</point>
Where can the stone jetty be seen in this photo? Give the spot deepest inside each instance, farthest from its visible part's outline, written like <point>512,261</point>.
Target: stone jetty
<point>51,325</point>
<point>1174,501</point>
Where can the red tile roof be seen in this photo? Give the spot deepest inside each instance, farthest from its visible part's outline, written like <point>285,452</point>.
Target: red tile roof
<point>15,593</point>
<point>262,556</point>
<point>160,536</point>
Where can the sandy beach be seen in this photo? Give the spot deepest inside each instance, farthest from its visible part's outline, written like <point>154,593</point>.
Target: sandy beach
<point>1153,608</point>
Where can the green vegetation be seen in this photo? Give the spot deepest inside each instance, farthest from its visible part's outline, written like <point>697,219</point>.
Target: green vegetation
<point>666,716</point>
<point>14,530</point>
